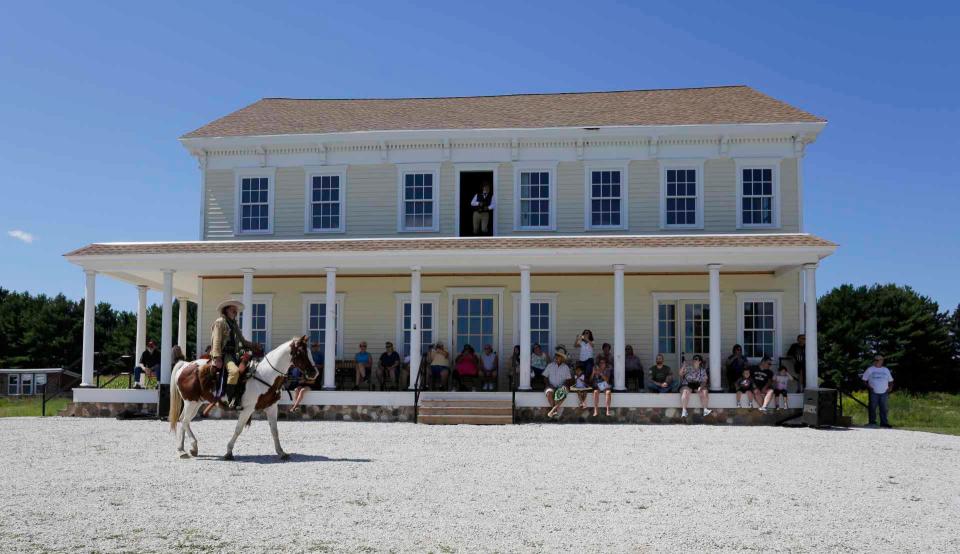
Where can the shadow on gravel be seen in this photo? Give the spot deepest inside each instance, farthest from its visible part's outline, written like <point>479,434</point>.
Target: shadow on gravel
<point>274,459</point>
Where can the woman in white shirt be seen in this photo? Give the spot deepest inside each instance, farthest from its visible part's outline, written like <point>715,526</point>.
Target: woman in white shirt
<point>585,343</point>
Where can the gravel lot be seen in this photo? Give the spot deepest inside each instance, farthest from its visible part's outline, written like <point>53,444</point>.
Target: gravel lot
<point>100,485</point>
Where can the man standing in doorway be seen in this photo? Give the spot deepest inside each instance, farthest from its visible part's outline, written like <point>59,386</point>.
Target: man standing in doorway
<point>483,204</point>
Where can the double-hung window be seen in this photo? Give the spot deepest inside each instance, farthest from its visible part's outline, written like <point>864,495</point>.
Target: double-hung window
<point>326,197</point>
<point>681,195</point>
<point>543,319</point>
<point>606,197</point>
<point>419,198</point>
<point>428,318</point>
<point>757,194</point>
<point>535,193</point>
<point>315,321</point>
<point>758,324</point>
<point>260,319</point>
<point>255,192</point>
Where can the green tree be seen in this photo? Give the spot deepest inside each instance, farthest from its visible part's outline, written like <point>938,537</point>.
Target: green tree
<point>855,323</point>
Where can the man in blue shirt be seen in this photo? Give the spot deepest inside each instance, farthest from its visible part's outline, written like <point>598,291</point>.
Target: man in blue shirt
<point>879,382</point>
<point>363,365</point>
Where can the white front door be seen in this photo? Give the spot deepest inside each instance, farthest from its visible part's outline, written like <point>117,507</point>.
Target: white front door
<point>475,322</point>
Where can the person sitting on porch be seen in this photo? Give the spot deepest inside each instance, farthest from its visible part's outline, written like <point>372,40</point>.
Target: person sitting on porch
<point>316,354</point>
<point>763,382</point>
<point>389,367</point>
<point>581,386</point>
<point>364,365</point>
<point>490,362</point>
<point>693,377</point>
<point>585,343</point>
<point>300,386</point>
<point>557,374</point>
<point>226,345</point>
<point>661,377</point>
<point>440,364</point>
<point>149,365</point>
<point>736,362</point>
<point>515,363</point>
<point>633,368</point>
<point>606,354</point>
<point>744,387</point>
<point>538,361</point>
<point>798,351</point>
<point>467,365</point>
<point>780,383</point>
<point>602,380</point>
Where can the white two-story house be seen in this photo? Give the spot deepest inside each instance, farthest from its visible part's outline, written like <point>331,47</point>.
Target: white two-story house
<point>669,220</point>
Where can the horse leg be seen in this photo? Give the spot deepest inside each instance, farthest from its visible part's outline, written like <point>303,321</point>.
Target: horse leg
<point>188,414</point>
<point>272,418</point>
<point>241,422</point>
<point>188,405</point>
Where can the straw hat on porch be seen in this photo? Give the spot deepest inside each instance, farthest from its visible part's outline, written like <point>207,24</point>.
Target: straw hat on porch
<point>561,351</point>
<point>226,303</point>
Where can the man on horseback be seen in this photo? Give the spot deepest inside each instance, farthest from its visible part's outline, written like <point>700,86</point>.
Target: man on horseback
<point>226,350</point>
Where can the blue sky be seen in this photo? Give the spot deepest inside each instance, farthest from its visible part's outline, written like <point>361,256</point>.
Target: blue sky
<point>94,95</point>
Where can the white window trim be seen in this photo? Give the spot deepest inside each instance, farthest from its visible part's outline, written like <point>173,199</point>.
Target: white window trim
<point>404,169</point>
<point>759,163</point>
<point>539,297</point>
<point>665,165</point>
<point>339,171</point>
<point>425,298</point>
<point>777,298</point>
<point>18,386</point>
<point>308,298</point>
<point>547,167</point>
<point>620,166</point>
<point>261,298</point>
<point>240,174</point>
<point>659,297</point>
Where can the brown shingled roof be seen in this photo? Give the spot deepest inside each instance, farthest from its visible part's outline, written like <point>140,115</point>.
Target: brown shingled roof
<point>504,243</point>
<point>712,105</point>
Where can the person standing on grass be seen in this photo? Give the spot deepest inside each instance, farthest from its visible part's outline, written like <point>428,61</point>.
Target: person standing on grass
<point>879,381</point>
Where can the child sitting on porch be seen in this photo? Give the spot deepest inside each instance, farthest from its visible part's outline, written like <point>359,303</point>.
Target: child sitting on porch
<point>580,385</point>
<point>780,383</point>
<point>744,385</point>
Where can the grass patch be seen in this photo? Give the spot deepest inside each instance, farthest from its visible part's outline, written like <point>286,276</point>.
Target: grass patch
<point>935,412</point>
<point>30,406</point>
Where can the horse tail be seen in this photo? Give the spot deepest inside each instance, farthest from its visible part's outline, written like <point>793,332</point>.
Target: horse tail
<point>175,403</point>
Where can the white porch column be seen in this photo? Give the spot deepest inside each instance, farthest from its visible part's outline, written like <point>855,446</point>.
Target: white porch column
<point>246,326</point>
<point>141,322</point>
<point>89,323</point>
<point>619,330</point>
<point>199,318</point>
<point>415,317</point>
<point>716,373</point>
<point>166,327</point>
<point>524,376</point>
<point>182,325</point>
<point>812,373</point>
<point>330,331</point>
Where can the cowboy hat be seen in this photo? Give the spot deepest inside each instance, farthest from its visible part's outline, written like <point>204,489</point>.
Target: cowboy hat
<point>561,351</point>
<point>223,305</point>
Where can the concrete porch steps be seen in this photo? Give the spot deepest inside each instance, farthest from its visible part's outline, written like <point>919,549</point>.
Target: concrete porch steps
<point>450,410</point>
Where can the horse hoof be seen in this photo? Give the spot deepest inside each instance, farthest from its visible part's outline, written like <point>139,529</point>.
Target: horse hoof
<point>284,456</point>
<point>194,452</point>
<point>228,456</point>
<point>184,456</point>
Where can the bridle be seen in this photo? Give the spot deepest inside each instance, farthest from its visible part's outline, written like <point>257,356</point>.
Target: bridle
<point>295,349</point>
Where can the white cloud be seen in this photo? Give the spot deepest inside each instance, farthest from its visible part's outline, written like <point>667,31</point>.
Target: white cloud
<point>21,235</point>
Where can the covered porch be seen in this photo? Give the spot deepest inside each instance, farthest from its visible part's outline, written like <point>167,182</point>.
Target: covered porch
<point>636,290</point>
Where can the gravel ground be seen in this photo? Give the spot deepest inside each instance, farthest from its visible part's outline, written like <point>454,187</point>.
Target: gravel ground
<point>101,485</point>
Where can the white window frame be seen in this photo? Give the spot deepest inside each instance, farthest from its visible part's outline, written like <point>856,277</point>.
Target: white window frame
<point>666,165</point>
<point>425,298</point>
<point>777,298</point>
<point>676,297</point>
<point>543,167</point>
<point>308,298</point>
<point>541,298</point>
<point>270,173</point>
<point>339,171</point>
<point>36,381</point>
<point>261,298</point>
<point>620,166</point>
<point>759,163</point>
<point>406,169</point>
<point>16,387</point>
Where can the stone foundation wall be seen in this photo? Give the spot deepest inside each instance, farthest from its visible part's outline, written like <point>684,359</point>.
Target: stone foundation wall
<point>719,416</point>
<point>306,413</point>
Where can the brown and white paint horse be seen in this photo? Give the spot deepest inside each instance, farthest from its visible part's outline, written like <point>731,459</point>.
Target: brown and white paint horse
<point>258,396</point>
